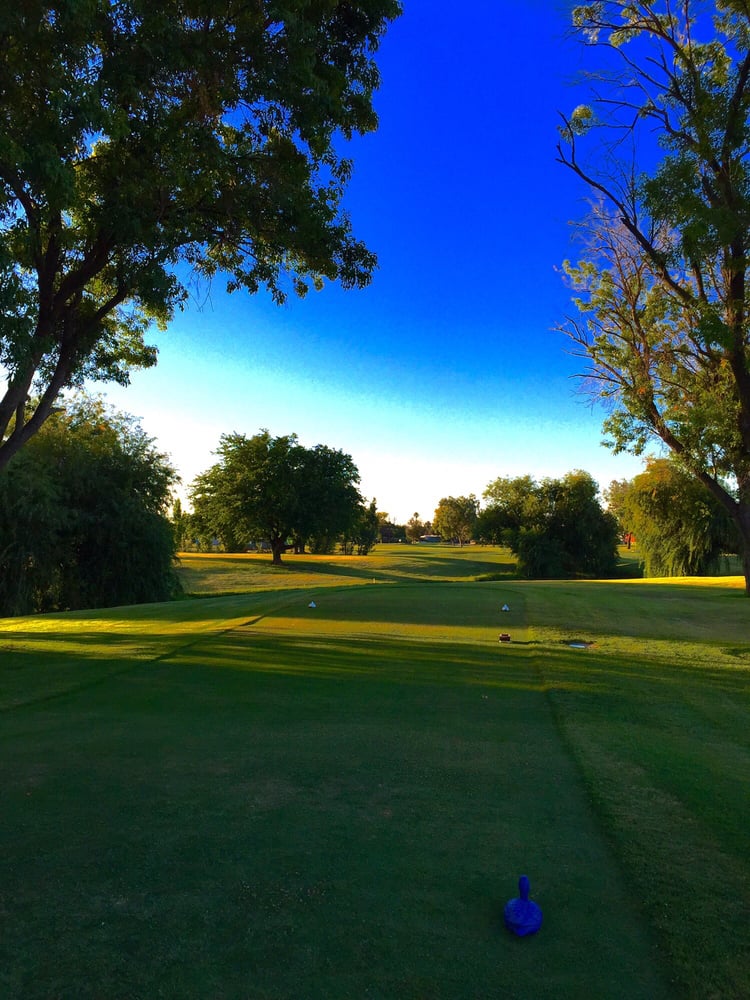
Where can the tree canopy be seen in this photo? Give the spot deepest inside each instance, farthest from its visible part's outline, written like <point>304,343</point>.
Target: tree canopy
<point>83,515</point>
<point>662,289</point>
<point>139,136</point>
<point>556,527</point>
<point>680,528</point>
<point>455,518</point>
<point>275,490</point>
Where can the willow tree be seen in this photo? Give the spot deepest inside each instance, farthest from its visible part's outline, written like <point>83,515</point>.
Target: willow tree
<point>680,529</point>
<point>141,142</point>
<point>662,290</point>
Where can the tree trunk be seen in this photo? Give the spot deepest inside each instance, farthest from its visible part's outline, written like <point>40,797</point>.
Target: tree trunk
<point>277,547</point>
<point>743,523</point>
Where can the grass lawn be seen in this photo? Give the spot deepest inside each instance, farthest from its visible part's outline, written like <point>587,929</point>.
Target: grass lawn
<point>244,797</point>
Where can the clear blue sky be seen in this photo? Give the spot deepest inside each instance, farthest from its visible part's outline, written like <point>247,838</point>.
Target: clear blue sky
<point>445,372</point>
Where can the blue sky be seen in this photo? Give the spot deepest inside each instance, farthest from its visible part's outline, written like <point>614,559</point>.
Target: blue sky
<point>445,372</point>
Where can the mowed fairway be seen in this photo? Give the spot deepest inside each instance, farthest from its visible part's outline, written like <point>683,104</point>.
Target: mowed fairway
<point>245,797</point>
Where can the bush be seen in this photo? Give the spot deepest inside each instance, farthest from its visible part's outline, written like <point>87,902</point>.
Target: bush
<point>83,516</point>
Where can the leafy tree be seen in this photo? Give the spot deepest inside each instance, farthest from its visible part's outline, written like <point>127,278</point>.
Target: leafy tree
<point>83,515</point>
<point>615,497</point>
<point>179,524</point>
<point>662,290</point>
<point>489,528</point>
<point>414,528</point>
<point>329,501</point>
<point>511,504</point>
<point>681,529</point>
<point>556,528</point>
<point>141,136</point>
<point>366,529</point>
<point>455,518</point>
<point>276,490</point>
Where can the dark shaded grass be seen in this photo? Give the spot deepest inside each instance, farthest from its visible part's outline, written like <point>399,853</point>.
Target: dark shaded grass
<point>213,573</point>
<point>271,815</point>
<point>657,721</point>
<point>665,752</point>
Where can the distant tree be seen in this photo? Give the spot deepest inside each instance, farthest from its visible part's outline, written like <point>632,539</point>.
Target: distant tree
<point>329,502</point>
<point>575,520</point>
<point>179,524</point>
<point>557,528</point>
<point>681,529</point>
<point>512,503</point>
<point>139,136</point>
<point>83,515</point>
<point>615,497</point>
<point>455,518</point>
<point>414,528</point>
<point>366,529</point>
<point>388,531</point>
<point>489,528</point>
<point>273,489</point>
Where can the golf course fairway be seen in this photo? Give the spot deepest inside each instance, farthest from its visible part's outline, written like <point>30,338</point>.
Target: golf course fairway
<point>243,796</point>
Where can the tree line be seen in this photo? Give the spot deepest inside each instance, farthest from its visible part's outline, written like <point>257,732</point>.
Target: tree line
<point>84,514</point>
<point>276,491</point>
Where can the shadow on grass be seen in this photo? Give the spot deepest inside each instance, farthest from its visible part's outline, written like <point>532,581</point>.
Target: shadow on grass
<point>421,567</point>
<point>248,811</point>
<point>664,750</point>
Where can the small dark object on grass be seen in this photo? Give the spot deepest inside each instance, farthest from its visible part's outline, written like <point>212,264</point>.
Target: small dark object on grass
<point>504,637</point>
<point>522,917</point>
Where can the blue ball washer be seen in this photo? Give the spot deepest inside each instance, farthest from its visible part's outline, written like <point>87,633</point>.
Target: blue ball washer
<point>522,917</point>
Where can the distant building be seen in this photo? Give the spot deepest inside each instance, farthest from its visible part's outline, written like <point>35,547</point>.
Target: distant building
<point>430,538</point>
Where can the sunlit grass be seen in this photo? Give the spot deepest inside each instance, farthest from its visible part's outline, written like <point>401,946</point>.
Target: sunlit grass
<point>213,573</point>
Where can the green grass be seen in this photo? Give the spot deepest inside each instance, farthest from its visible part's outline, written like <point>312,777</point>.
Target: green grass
<point>245,797</point>
<point>218,574</point>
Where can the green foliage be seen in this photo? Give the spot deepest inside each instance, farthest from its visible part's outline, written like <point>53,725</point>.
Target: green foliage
<point>680,529</point>
<point>556,528</point>
<point>366,529</point>
<point>388,531</point>
<point>541,555</point>
<point>415,528</point>
<point>455,518</point>
<point>615,497</point>
<point>663,289</point>
<point>512,504</point>
<point>82,516</point>
<point>275,490</point>
<point>137,137</point>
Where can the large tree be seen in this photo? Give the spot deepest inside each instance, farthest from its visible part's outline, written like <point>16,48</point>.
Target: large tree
<point>274,489</point>
<point>662,289</point>
<point>137,136</point>
<point>455,518</point>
